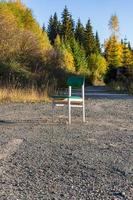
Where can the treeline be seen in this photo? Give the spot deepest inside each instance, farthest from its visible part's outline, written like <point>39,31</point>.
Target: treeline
<point>96,61</point>
<point>78,46</point>
<point>31,56</point>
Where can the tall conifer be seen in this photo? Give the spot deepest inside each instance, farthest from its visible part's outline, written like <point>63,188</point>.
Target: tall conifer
<point>53,27</point>
<point>80,32</point>
<point>67,27</point>
<point>98,48</point>
<point>89,39</point>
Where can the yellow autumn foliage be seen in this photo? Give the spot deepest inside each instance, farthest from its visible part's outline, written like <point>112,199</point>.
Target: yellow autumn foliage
<point>25,21</point>
<point>113,51</point>
<point>68,61</point>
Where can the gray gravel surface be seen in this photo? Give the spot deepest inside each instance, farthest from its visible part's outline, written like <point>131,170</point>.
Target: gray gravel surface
<point>41,160</point>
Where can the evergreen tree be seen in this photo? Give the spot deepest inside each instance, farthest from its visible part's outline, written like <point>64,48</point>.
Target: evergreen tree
<point>53,28</point>
<point>98,48</point>
<point>90,42</point>
<point>67,26</point>
<point>50,28</point>
<point>80,33</point>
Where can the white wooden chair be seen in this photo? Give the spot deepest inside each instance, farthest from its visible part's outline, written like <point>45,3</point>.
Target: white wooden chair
<point>71,100</point>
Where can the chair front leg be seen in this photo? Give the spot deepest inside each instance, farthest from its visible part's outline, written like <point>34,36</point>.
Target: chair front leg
<point>69,111</point>
<point>83,111</point>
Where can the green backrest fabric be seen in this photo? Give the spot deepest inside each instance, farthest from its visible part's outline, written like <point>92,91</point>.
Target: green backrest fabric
<point>75,81</point>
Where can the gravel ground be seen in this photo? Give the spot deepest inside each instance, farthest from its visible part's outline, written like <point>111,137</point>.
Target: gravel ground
<point>44,161</point>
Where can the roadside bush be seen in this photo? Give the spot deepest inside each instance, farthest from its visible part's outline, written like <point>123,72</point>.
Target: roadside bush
<point>110,75</point>
<point>117,86</point>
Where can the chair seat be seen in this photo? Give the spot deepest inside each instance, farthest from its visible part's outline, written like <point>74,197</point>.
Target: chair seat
<point>63,100</point>
<point>61,97</point>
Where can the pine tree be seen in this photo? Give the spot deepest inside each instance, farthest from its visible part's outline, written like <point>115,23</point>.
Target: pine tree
<point>67,26</point>
<point>89,44</point>
<point>53,28</point>
<point>50,28</point>
<point>80,33</point>
<point>98,48</point>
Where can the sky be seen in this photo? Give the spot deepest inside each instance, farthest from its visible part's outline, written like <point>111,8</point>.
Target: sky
<point>98,11</point>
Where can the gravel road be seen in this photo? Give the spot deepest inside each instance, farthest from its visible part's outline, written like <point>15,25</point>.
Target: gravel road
<point>44,161</point>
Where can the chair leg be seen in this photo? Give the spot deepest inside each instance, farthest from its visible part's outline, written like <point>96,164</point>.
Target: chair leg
<point>83,112</point>
<point>53,106</point>
<point>69,112</point>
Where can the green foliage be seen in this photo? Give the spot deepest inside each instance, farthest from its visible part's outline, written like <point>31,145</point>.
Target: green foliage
<point>79,57</point>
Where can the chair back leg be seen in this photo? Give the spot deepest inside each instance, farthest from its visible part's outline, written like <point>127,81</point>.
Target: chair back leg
<point>53,107</point>
<point>83,97</point>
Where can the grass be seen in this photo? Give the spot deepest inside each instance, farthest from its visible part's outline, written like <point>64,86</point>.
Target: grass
<point>22,95</point>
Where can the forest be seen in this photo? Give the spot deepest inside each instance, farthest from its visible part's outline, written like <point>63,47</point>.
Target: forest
<point>41,58</point>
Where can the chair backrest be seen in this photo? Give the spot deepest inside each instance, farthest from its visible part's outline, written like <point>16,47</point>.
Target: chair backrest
<point>75,81</point>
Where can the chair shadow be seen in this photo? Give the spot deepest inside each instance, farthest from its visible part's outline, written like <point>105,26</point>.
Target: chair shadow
<point>6,122</point>
<point>40,122</point>
<point>30,121</point>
